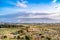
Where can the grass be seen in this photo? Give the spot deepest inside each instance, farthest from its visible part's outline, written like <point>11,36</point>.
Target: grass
<point>8,30</point>
<point>41,32</point>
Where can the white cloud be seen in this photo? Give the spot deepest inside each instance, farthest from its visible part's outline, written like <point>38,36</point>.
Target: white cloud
<point>54,16</point>
<point>31,16</point>
<point>54,1</point>
<point>58,7</point>
<point>21,4</point>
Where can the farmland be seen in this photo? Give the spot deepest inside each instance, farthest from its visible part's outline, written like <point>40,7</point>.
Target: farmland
<point>30,31</point>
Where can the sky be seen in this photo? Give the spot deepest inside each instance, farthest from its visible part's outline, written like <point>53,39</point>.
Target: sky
<point>30,11</point>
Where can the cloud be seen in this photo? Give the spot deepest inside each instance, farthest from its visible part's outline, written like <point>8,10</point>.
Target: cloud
<point>58,7</point>
<point>37,20</point>
<point>54,1</point>
<point>21,4</point>
<point>33,15</point>
<point>54,16</point>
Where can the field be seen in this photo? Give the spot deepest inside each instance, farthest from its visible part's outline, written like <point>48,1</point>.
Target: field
<point>30,32</point>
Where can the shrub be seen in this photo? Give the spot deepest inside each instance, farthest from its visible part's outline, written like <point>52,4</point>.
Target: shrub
<point>18,37</point>
<point>48,38</point>
<point>4,37</point>
<point>27,38</point>
<point>42,36</point>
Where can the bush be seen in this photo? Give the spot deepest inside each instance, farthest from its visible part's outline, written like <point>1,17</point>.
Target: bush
<point>27,38</point>
<point>4,37</point>
<point>48,38</point>
<point>42,36</point>
<point>18,37</point>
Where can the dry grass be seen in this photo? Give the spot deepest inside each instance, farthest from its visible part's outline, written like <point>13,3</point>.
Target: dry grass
<point>34,32</point>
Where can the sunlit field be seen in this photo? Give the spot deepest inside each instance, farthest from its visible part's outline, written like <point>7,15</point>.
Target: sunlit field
<point>30,32</point>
